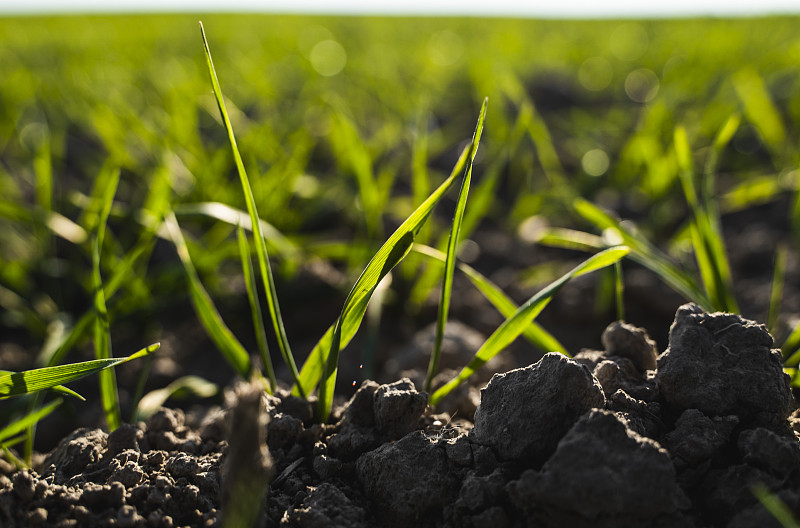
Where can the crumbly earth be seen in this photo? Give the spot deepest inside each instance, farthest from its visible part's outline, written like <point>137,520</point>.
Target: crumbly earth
<point>619,437</point>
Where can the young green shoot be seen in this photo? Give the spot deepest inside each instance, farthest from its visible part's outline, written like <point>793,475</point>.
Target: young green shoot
<point>775,506</point>
<point>521,319</point>
<point>705,227</point>
<point>321,365</point>
<point>102,335</point>
<point>450,260</point>
<point>261,247</point>
<point>535,334</point>
<point>29,381</point>
<point>185,386</point>
<point>255,307</point>
<point>619,290</point>
<point>20,425</point>
<point>776,291</point>
<point>217,330</point>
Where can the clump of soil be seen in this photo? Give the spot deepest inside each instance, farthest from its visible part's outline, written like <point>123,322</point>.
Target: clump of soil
<point>619,437</point>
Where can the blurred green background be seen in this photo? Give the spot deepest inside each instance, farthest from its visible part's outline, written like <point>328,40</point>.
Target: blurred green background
<point>345,124</point>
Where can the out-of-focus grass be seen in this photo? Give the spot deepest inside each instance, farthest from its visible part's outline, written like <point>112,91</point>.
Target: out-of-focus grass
<point>345,125</point>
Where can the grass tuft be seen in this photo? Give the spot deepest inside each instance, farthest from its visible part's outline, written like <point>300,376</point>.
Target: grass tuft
<point>450,259</point>
<point>521,319</point>
<point>261,247</point>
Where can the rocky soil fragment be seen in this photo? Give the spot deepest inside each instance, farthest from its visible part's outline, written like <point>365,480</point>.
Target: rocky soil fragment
<point>723,365</point>
<point>603,474</point>
<point>408,481</point>
<point>628,341</point>
<point>525,412</point>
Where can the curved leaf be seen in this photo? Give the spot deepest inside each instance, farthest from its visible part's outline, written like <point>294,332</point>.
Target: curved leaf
<point>19,383</point>
<point>514,325</point>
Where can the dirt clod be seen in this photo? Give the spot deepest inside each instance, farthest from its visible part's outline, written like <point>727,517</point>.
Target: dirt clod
<point>525,412</point>
<point>614,476</point>
<point>723,365</point>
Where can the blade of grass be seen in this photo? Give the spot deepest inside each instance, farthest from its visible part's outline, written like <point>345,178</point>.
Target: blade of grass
<point>760,110</point>
<point>387,257</point>
<point>255,308</point>
<point>776,291</point>
<point>775,506</point>
<point>18,383</point>
<point>619,290</point>
<point>102,335</point>
<point>321,365</point>
<point>314,364</point>
<point>350,148</point>
<point>644,253</point>
<point>534,333</point>
<point>21,424</point>
<point>122,272</point>
<point>217,330</point>
<point>58,388</point>
<point>186,385</point>
<point>706,234</point>
<point>450,260</point>
<point>261,247</point>
<point>235,217</point>
<point>791,348</point>
<point>514,325</point>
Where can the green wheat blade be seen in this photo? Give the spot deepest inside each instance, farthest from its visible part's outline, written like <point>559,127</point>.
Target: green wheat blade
<point>450,260</point>
<point>255,307</point>
<point>534,333</point>
<point>29,420</point>
<point>19,383</point>
<point>102,336</point>
<point>261,247</point>
<point>514,325</point>
<point>644,253</point>
<point>230,347</point>
<point>314,364</point>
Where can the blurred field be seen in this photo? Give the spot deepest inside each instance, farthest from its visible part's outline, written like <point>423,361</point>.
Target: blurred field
<point>345,124</point>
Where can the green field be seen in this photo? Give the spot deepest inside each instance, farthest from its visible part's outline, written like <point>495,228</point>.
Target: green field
<point>345,125</point>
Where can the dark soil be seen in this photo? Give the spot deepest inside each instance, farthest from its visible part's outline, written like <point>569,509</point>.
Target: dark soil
<point>619,437</point>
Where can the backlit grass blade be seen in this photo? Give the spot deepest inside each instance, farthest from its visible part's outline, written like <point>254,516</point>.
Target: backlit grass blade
<point>235,217</point>
<point>450,260</point>
<point>643,252</point>
<point>791,348</point>
<point>122,271</point>
<point>514,325</point>
<point>387,257</point>
<point>619,290</point>
<point>315,363</point>
<point>58,388</point>
<point>534,333</point>
<point>776,291</point>
<point>217,330</point>
<point>19,383</point>
<point>261,247</point>
<point>102,335</point>
<point>186,385</point>
<point>760,110</point>
<point>29,420</point>
<point>349,147</point>
<point>775,506</point>
<point>255,307</point>
<point>706,235</point>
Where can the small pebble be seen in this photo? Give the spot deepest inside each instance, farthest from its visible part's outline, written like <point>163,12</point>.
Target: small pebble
<point>37,516</point>
<point>24,485</point>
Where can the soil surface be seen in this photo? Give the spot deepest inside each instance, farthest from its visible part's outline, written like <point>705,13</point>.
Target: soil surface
<point>618,437</point>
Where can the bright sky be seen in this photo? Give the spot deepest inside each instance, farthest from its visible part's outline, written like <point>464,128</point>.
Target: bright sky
<point>530,8</point>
